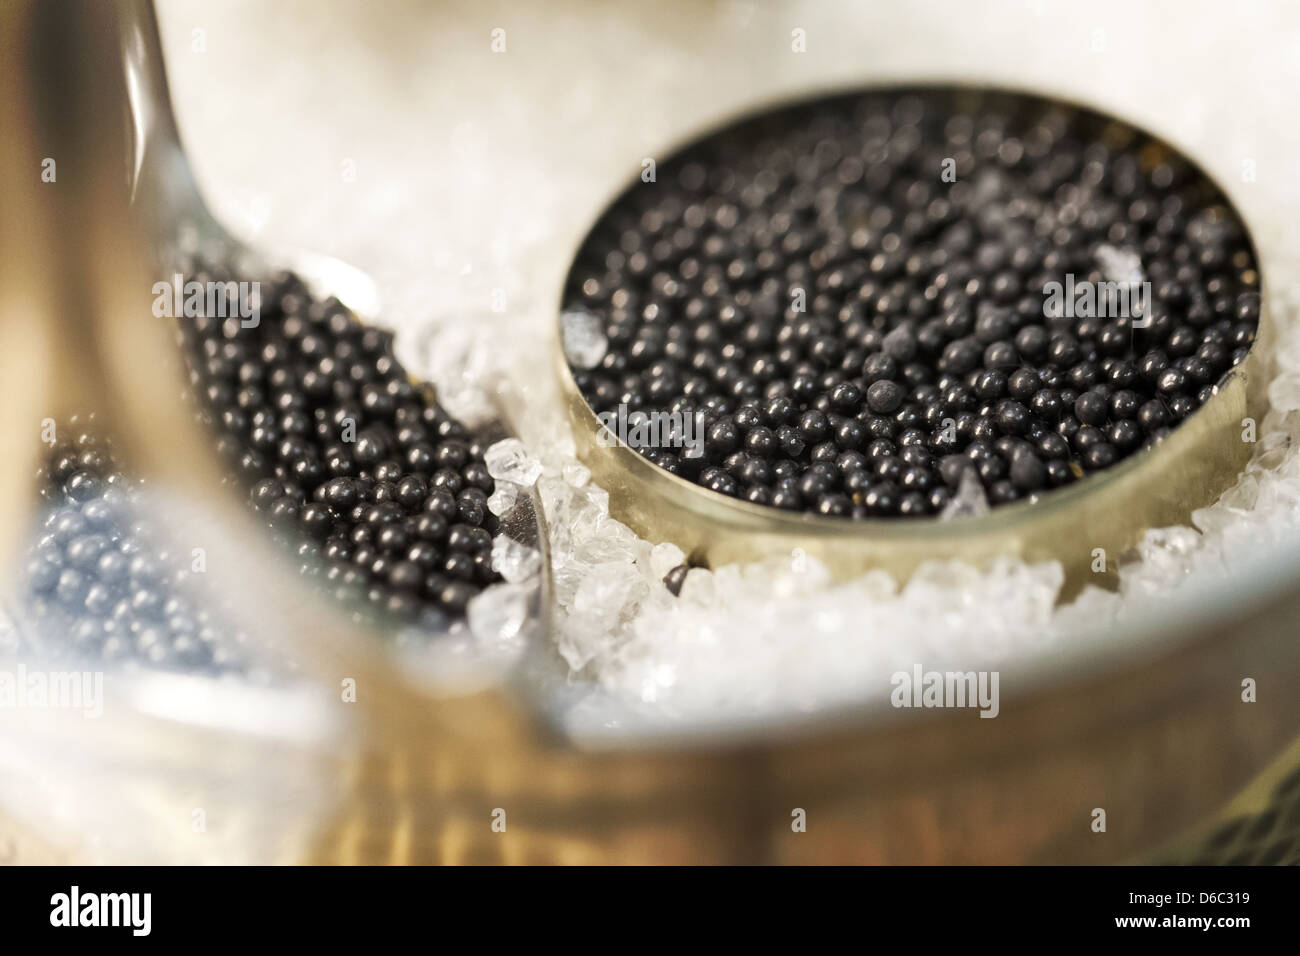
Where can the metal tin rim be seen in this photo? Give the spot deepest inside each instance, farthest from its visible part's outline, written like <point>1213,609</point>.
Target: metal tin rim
<point>1191,467</point>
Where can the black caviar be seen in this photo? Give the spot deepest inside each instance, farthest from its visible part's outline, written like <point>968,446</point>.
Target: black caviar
<point>855,297</point>
<point>380,492</point>
<point>102,583</point>
<point>675,578</point>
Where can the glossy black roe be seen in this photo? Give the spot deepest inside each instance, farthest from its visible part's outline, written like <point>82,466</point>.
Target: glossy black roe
<point>869,276</point>
<point>379,493</point>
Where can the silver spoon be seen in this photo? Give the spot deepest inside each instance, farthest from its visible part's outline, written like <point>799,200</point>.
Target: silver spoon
<point>164,204</point>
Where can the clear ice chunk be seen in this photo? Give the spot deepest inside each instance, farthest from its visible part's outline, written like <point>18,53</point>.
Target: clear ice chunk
<point>969,501</point>
<point>607,590</point>
<point>576,475</point>
<point>503,498</point>
<point>508,460</point>
<point>499,612</point>
<point>664,557</point>
<point>583,337</point>
<point>514,561</point>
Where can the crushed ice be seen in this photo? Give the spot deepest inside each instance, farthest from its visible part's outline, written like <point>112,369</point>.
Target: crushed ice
<point>781,633</point>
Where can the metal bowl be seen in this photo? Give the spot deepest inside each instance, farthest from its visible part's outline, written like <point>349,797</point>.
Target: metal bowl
<point>1147,724</point>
